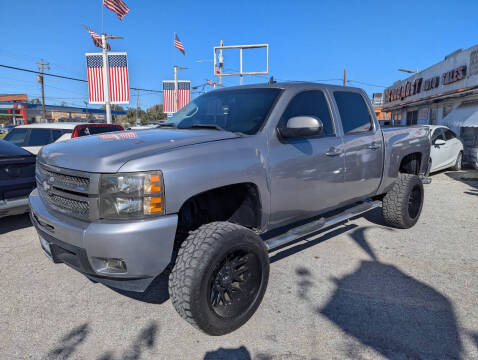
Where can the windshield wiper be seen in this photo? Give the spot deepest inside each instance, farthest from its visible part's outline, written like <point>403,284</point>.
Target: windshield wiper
<point>203,126</point>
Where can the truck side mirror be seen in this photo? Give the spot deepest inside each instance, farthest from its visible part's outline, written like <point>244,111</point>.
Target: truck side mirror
<point>301,126</point>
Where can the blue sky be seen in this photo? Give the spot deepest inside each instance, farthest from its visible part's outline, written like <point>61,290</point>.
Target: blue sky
<point>309,40</point>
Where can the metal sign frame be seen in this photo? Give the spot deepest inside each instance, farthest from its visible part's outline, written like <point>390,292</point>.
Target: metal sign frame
<point>241,47</point>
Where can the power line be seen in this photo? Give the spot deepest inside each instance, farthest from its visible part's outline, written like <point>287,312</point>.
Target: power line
<point>67,77</point>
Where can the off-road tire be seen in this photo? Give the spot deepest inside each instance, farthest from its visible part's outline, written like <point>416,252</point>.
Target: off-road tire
<point>396,207</point>
<point>459,162</point>
<point>198,257</point>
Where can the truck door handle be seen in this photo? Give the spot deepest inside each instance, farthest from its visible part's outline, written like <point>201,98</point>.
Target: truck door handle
<point>374,146</point>
<point>333,152</point>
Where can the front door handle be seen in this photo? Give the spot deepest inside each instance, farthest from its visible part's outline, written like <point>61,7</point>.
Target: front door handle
<point>374,146</point>
<point>333,152</point>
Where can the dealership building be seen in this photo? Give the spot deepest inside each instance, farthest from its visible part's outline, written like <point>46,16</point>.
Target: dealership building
<point>443,94</point>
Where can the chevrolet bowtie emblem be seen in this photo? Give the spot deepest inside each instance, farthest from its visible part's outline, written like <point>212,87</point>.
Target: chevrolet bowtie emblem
<point>46,186</point>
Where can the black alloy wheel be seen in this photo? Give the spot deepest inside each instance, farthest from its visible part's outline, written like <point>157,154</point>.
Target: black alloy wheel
<point>415,200</point>
<point>234,283</point>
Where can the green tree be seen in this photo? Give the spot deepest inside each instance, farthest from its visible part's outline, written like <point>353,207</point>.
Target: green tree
<point>155,113</point>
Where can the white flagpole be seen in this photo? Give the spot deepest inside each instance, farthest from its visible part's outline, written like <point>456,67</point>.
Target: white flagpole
<point>106,80</point>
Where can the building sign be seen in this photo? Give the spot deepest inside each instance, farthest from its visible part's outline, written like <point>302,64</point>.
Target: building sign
<point>416,86</point>
<point>454,75</point>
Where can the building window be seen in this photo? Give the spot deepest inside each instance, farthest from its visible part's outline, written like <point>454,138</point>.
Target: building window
<point>412,117</point>
<point>433,116</point>
<point>397,117</point>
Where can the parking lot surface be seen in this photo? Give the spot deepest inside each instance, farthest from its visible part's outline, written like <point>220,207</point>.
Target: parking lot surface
<point>359,291</point>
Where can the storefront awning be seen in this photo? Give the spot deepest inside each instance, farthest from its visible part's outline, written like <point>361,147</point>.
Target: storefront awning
<point>465,115</point>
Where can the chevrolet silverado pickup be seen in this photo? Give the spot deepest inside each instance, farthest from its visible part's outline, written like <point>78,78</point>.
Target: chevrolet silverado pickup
<point>233,175</point>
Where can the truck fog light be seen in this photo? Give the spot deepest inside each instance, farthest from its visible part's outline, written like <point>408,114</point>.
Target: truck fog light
<point>110,265</point>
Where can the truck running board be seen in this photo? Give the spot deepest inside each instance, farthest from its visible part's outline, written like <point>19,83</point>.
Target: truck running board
<point>322,223</point>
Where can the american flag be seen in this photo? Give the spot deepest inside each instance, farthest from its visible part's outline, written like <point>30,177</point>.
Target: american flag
<point>184,95</point>
<point>118,7</point>
<point>96,38</point>
<point>210,82</point>
<point>178,44</point>
<point>117,74</point>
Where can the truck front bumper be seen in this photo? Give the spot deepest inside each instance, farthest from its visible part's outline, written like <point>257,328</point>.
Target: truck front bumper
<point>13,206</point>
<point>144,246</point>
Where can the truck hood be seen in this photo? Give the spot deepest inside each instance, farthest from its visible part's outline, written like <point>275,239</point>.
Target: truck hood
<point>108,152</point>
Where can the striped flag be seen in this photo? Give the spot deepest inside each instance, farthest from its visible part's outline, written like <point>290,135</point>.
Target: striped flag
<point>184,95</point>
<point>96,38</point>
<point>178,44</point>
<point>117,74</point>
<point>118,7</point>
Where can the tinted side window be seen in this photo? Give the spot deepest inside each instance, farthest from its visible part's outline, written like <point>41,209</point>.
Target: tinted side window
<point>56,134</point>
<point>91,130</point>
<point>449,134</point>
<point>437,134</point>
<point>17,136</point>
<point>353,112</point>
<point>310,103</point>
<point>39,137</point>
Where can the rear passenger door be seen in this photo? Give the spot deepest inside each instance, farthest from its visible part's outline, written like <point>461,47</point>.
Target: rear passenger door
<point>363,145</point>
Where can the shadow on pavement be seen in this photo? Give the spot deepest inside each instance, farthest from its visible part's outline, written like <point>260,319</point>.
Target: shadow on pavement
<point>144,341</point>
<point>388,310</point>
<point>469,177</point>
<point>15,222</point>
<point>393,313</point>
<point>68,344</point>
<point>240,353</point>
<point>156,293</point>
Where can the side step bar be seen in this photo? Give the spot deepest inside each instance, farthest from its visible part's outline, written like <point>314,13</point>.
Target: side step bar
<point>322,223</point>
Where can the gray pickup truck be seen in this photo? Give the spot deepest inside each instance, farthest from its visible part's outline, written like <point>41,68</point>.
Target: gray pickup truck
<point>234,174</point>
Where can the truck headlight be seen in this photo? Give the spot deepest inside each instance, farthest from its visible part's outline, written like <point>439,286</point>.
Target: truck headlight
<point>131,195</point>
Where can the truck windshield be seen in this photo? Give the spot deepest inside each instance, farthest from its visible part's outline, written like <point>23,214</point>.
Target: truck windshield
<point>241,111</point>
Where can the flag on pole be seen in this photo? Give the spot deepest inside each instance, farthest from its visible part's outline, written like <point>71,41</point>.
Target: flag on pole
<point>96,38</point>
<point>184,95</point>
<point>210,82</point>
<point>117,75</point>
<point>178,44</point>
<point>117,6</point>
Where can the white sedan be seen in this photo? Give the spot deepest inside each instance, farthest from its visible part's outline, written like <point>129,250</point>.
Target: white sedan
<point>447,149</point>
<point>33,137</point>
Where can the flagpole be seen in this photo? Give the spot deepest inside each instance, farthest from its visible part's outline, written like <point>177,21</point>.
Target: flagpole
<point>106,80</point>
<point>102,16</point>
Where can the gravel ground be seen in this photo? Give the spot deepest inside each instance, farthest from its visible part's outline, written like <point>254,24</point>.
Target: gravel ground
<point>358,291</point>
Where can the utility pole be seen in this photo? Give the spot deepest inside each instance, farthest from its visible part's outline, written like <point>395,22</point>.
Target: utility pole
<point>41,79</point>
<point>176,88</point>
<point>221,64</point>
<point>345,77</point>
<point>137,106</point>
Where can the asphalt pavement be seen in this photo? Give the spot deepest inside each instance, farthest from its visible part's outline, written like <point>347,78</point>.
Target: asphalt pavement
<point>358,291</point>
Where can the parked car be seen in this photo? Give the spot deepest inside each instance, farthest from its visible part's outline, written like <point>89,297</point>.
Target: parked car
<point>446,149</point>
<point>6,129</point>
<point>34,136</point>
<point>237,172</point>
<point>17,178</point>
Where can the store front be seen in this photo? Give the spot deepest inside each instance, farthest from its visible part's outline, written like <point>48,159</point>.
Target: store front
<point>443,94</point>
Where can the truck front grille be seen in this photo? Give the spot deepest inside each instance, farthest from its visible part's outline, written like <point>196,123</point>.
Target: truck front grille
<point>66,191</point>
<point>71,182</point>
<point>66,205</point>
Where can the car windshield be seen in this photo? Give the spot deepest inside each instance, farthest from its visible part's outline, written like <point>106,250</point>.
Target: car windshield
<point>243,110</point>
